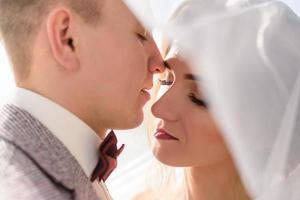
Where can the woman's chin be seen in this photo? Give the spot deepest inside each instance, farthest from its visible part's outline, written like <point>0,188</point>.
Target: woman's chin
<point>166,158</point>
<point>173,159</point>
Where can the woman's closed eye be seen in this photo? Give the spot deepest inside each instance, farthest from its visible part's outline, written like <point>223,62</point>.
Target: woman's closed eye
<point>165,82</point>
<point>168,77</point>
<point>196,100</point>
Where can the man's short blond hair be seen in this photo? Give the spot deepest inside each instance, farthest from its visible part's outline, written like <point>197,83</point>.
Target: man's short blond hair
<point>20,21</point>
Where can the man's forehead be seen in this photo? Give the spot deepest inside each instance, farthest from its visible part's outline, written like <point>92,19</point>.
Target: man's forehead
<point>143,9</point>
<point>117,8</point>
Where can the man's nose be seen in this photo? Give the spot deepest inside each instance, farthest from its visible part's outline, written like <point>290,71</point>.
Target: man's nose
<point>156,63</point>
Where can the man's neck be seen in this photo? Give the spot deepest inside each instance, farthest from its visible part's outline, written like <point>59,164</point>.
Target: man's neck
<point>219,181</point>
<point>67,102</point>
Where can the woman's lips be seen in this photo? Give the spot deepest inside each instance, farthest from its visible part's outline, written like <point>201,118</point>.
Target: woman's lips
<point>163,135</point>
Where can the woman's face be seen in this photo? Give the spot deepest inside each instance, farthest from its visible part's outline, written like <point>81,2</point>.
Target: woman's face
<point>186,134</point>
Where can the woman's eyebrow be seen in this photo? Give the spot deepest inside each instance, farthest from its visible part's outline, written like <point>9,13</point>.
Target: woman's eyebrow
<point>191,77</point>
<point>167,65</point>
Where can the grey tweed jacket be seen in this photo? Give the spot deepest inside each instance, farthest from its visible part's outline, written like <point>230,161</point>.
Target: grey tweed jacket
<point>34,164</point>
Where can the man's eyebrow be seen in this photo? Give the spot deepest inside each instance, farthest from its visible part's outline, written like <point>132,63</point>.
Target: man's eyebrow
<point>142,28</point>
<point>191,77</point>
<point>138,24</point>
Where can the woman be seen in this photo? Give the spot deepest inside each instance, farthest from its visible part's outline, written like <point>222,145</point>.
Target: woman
<point>250,58</point>
<point>186,136</point>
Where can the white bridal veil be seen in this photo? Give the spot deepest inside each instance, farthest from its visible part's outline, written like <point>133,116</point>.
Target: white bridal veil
<point>248,55</point>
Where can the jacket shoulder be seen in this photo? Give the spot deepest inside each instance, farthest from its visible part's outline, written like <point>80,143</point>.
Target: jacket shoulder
<point>22,178</point>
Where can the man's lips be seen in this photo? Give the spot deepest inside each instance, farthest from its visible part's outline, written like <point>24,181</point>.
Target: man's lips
<point>146,95</point>
<point>163,135</point>
<point>146,91</point>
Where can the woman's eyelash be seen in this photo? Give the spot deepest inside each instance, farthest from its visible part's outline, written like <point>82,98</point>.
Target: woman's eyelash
<point>142,37</point>
<point>199,102</point>
<point>165,82</point>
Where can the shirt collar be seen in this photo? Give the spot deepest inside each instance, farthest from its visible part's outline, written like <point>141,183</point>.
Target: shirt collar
<point>78,137</point>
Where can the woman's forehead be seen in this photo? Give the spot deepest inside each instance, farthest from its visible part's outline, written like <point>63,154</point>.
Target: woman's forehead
<point>173,51</point>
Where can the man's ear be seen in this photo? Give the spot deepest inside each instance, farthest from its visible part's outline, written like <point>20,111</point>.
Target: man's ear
<point>61,38</point>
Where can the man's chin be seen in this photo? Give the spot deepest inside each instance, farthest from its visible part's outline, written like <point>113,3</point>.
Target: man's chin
<point>133,122</point>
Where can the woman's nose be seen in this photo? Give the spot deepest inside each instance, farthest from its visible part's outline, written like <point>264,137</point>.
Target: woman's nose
<point>165,107</point>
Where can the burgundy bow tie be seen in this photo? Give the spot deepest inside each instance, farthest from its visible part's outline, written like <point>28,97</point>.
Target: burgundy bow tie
<point>108,153</point>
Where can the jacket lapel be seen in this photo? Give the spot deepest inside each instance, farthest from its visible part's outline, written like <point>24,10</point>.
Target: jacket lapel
<point>34,139</point>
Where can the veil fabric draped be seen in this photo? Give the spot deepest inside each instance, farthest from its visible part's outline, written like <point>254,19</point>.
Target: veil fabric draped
<point>247,53</point>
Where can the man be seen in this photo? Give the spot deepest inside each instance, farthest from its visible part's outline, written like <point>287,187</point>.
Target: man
<point>81,68</point>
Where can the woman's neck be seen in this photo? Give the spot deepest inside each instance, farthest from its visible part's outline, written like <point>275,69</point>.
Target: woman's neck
<point>214,182</point>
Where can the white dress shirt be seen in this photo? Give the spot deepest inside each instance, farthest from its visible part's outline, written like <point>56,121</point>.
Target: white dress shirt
<point>78,137</point>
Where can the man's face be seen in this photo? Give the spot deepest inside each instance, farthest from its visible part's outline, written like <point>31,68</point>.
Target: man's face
<point>117,64</point>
